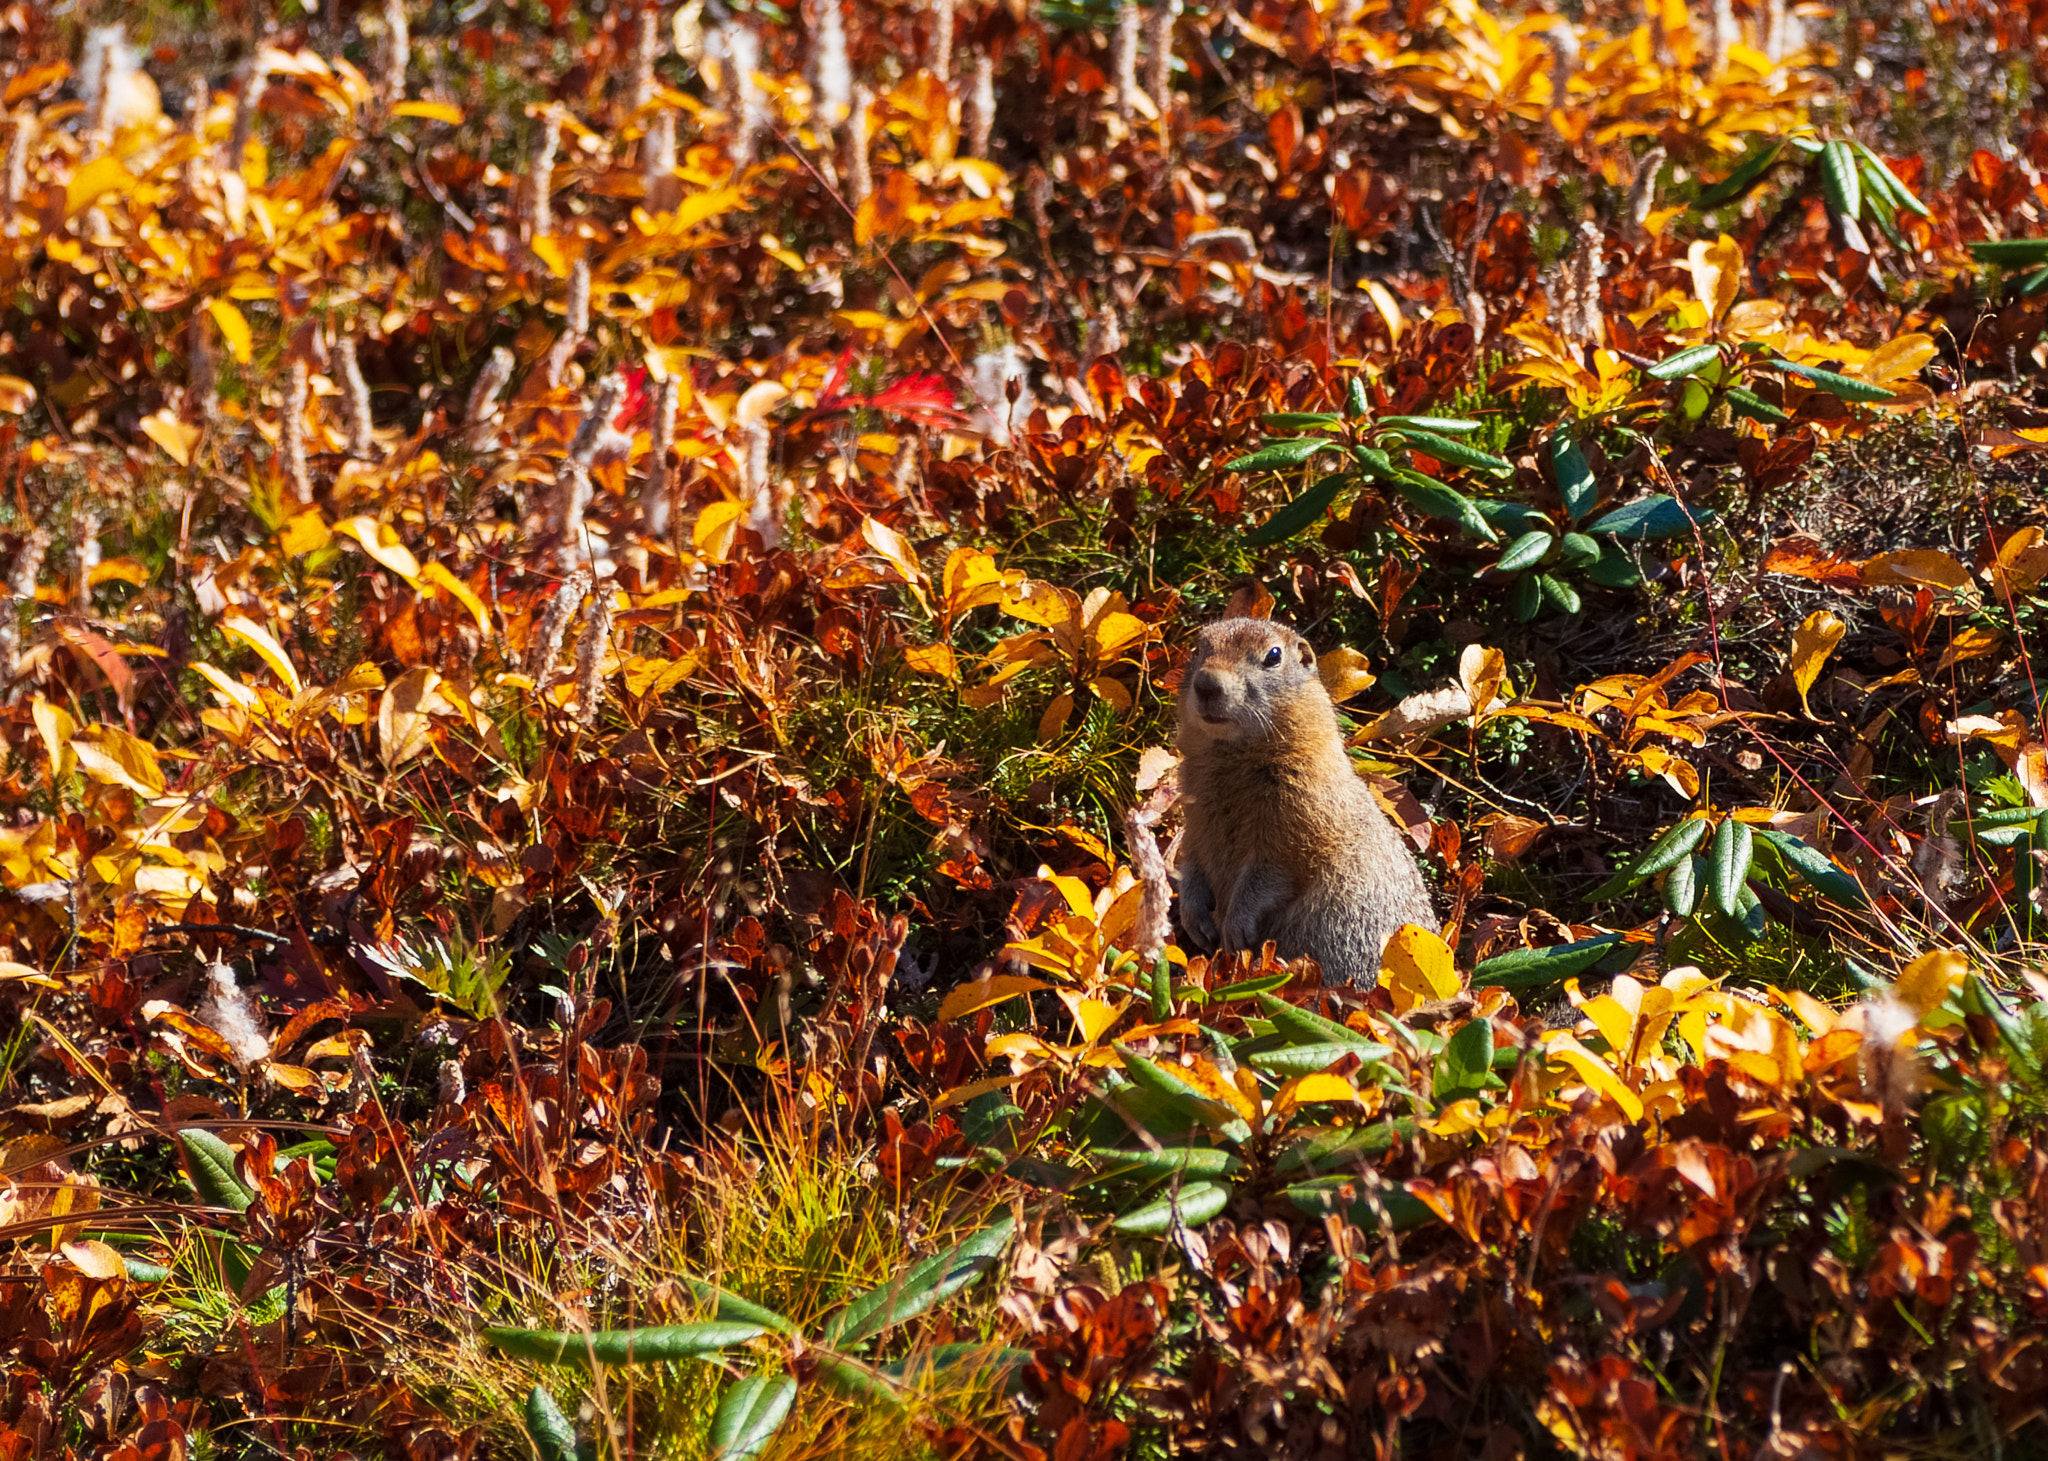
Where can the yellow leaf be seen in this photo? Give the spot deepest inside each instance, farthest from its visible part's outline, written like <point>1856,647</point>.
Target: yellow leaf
<point>1896,360</point>
<point>895,550</point>
<point>716,527</point>
<point>1203,1077</point>
<point>967,999</point>
<point>55,725</point>
<point>103,175</point>
<point>1716,273</point>
<point>645,677</point>
<point>16,395</point>
<point>1094,1017</point>
<point>234,329</point>
<point>973,1088</point>
<point>380,541</point>
<point>937,660</point>
<point>1482,671</point>
<point>176,437</point>
<point>971,579</point>
<point>1923,984</point>
<point>758,400</point>
<point>305,532</point>
<point>439,576</point>
<point>1418,967</point>
<point>1319,1086</point>
<point>430,111</point>
<point>1915,565</point>
<point>259,639</point>
<point>405,724</point>
<point>110,755</point>
<point>1343,672</point>
<point>1814,641</point>
<point>121,570</point>
<point>1971,642</point>
<point>231,689</point>
<point>1056,716</point>
<point>1390,308</point>
<point>548,249</point>
<point>1597,1074</point>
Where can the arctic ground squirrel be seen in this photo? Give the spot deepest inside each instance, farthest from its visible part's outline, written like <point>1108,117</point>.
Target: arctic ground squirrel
<point>1284,840</point>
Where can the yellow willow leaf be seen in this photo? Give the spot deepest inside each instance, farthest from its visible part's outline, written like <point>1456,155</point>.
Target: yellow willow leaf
<point>405,724</point>
<point>1094,1017</point>
<point>1898,360</point>
<point>1597,1074</point>
<point>1417,968</point>
<point>380,541</point>
<point>111,756</point>
<point>103,175</point>
<point>229,688</point>
<point>1390,309</point>
<point>439,576</point>
<point>937,660</point>
<point>1923,984</point>
<point>1482,671</point>
<point>1813,642</point>
<point>1716,274</point>
<point>972,1089</point>
<point>1344,673</point>
<point>234,329</point>
<point>1915,565</point>
<point>967,999</point>
<point>971,579</point>
<point>429,111</point>
<point>1056,716</point>
<point>305,532</point>
<point>716,528</point>
<point>898,553</point>
<point>56,726</point>
<point>16,395</point>
<point>176,437</point>
<point>644,677</point>
<point>1319,1086</point>
<point>1972,642</point>
<point>259,639</point>
<point>758,400</point>
<point>1204,1078</point>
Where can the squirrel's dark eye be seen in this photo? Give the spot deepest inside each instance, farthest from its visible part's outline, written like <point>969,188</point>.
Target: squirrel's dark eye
<point>1273,657</point>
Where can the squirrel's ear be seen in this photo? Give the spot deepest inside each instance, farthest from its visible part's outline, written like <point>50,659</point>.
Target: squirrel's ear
<point>1308,654</point>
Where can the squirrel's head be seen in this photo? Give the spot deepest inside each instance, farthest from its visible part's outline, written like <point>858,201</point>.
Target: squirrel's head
<point>1242,674</point>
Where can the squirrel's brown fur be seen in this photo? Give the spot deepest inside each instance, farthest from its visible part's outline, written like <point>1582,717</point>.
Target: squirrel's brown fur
<point>1283,839</point>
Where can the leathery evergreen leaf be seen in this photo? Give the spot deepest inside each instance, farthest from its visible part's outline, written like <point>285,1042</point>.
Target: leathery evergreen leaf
<point>752,1411</point>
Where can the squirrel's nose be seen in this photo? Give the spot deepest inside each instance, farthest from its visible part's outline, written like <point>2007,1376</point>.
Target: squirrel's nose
<point>1208,688</point>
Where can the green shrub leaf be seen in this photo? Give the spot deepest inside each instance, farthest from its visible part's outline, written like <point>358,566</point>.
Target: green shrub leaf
<point>1275,454</point>
<point>1197,1202</point>
<point>1728,867</point>
<point>1530,968</point>
<point>747,1419</point>
<point>552,1434</point>
<point>210,1164</point>
<point>652,1346</point>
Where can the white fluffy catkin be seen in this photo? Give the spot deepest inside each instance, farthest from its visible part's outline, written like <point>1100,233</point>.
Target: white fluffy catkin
<point>1129,25</point>
<point>355,396</point>
<point>575,324</point>
<point>251,81</point>
<point>981,105</point>
<point>230,1013</point>
<point>655,505</point>
<point>859,181</point>
<point>1159,55</point>
<point>14,178</point>
<point>540,211</point>
<point>646,51</point>
<point>21,586</point>
<point>738,51</point>
<point>394,53</point>
<point>590,652</point>
<point>831,70</point>
<point>483,408</point>
<point>544,646</point>
<point>658,164</point>
<point>85,557</point>
<point>941,58</point>
<point>294,431</point>
<point>1564,62</point>
<point>202,370</point>
<point>1642,192</point>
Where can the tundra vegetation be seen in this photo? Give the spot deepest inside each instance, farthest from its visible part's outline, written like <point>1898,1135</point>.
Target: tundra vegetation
<point>594,591</point>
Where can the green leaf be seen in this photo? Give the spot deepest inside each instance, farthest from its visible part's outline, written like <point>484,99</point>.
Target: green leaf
<point>1299,420</point>
<point>1197,1203</point>
<point>1838,180</point>
<point>1684,363</point>
<point>1194,1161</point>
<point>1433,499</point>
<point>1847,387</point>
<point>1678,841</point>
<point>1682,888</point>
<point>1355,402</point>
<point>553,1435</point>
<point>1446,450</point>
<point>2011,253</point>
<point>1246,988</point>
<point>747,1419</point>
<point>1576,550</point>
<point>1345,1196</point>
<point>1342,1148</point>
<point>1276,454</point>
<point>141,1270</point>
<point>734,1309</point>
<point>919,1287</point>
<point>1756,408</point>
<point>1466,1066</point>
<point>1656,516</point>
<point>1510,517</point>
<point>857,1382</point>
<point>1303,512</point>
<point>1728,865</point>
<point>659,1345</point>
<point>1527,598</point>
<point>1162,988</point>
<point>1815,867</point>
<point>210,1164</point>
<point>1558,594</point>
<point>1443,425</point>
<point>1616,569</point>
<point>1880,171</point>
<point>1529,968</point>
<point>1288,1061</point>
<point>1748,173</point>
<point>1525,552</point>
<point>1302,1027</point>
<point>1375,463</point>
<point>1575,482</point>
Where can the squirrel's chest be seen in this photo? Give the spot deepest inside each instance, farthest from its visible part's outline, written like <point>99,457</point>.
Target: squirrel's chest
<point>1265,810</point>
